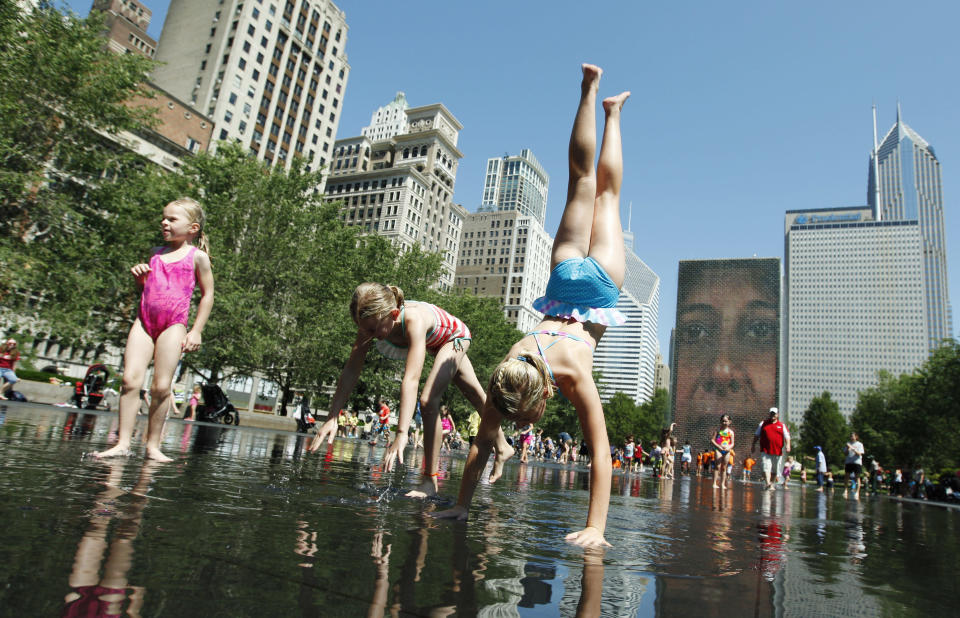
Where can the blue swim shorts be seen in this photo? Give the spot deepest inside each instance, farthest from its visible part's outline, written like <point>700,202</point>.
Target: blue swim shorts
<point>579,288</point>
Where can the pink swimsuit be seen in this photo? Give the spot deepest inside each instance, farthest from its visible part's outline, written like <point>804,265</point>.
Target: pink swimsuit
<point>166,293</point>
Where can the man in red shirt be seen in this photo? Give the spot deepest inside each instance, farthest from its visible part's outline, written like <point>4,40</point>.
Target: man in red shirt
<point>774,438</point>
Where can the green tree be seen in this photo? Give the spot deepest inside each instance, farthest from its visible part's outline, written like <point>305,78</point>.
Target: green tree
<point>914,418</point>
<point>653,416</point>
<point>824,426</point>
<point>622,417</point>
<point>61,93</point>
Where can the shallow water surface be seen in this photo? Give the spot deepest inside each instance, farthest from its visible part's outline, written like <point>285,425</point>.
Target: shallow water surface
<point>244,523</point>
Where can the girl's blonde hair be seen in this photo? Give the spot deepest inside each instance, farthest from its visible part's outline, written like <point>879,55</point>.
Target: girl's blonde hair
<point>195,213</point>
<point>519,384</point>
<point>374,300</point>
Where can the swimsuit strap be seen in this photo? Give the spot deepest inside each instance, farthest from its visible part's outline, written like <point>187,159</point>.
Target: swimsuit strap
<point>403,324</point>
<point>561,335</point>
<point>542,351</point>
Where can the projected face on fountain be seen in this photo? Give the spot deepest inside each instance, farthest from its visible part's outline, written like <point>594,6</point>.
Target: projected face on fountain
<point>727,337</point>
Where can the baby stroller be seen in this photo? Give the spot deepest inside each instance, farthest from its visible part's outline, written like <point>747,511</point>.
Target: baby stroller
<point>302,415</point>
<point>88,394</point>
<point>216,408</point>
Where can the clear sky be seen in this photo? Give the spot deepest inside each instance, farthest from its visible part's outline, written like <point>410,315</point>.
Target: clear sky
<point>740,110</point>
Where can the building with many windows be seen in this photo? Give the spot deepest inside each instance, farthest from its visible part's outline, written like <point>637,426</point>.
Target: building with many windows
<point>180,130</point>
<point>388,120</point>
<point>402,187</point>
<point>516,183</point>
<point>909,189</point>
<point>626,355</point>
<point>506,255</point>
<point>853,304</point>
<point>271,74</point>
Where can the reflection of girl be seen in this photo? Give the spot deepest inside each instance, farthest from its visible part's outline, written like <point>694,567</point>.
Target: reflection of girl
<point>723,443</point>
<point>93,594</point>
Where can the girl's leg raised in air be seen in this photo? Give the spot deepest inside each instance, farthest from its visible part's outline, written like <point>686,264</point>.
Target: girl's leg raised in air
<point>165,360</point>
<point>136,359</point>
<point>466,381</point>
<point>573,234</point>
<point>606,237</point>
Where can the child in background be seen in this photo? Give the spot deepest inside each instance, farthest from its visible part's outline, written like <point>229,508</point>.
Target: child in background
<point>194,402</point>
<point>159,332</point>
<point>723,443</point>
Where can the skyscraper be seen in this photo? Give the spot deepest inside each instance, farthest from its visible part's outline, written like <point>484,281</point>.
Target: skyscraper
<point>904,185</point>
<point>506,255</point>
<point>853,304</point>
<point>516,183</point>
<point>180,129</point>
<point>626,356</point>
<point>402,187</point>
<point>388,120</point>
<point>271,74</point>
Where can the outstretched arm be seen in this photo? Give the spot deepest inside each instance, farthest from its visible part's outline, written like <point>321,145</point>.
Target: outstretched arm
<point>346,383</point>
<point>416,353</point>
<point>582,393</point>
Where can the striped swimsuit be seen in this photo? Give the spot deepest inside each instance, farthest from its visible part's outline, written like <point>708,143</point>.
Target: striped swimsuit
<point>446,328</point>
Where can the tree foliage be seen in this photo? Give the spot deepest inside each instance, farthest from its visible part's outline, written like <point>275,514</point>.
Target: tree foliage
<point>61,93</point>
<point>914,419</point>
<point>824,426</point>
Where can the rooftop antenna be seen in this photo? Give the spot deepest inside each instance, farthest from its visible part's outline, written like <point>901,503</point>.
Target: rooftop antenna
<point>876,165</point>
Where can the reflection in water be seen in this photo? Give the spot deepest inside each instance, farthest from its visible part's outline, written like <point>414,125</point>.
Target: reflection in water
<point>241,524</point>
<point>102,594</point>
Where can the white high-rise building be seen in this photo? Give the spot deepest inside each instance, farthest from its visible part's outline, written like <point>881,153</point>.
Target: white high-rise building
<point>271,74</point>
<point>516,183</point>
<point>389,120</point>
<point>853,304</point>
<point>506,255</point>
<point>626,355</point>
<point>909,189</point>
<point>402,187</point>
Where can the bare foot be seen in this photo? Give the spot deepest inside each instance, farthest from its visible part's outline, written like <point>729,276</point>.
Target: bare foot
<point>615,104</point>
<point>499,459</point>
<point>715,486</point>
<point>591,75</point>
<point>155,454</point>
<point>426,489</point>
<point>120,450</point>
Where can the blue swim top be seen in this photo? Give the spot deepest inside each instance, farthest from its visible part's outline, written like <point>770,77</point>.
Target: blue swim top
<point>580,289</point>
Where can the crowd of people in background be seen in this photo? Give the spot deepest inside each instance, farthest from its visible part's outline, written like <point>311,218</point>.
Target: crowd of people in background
<point>666,458</point>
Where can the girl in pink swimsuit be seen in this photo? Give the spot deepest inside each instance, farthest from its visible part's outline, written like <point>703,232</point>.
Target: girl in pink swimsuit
<point>408,330</point>
<point>160,331</point>
<point>588,269</point>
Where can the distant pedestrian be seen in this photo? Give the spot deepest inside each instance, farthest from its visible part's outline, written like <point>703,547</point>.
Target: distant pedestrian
<point>853,466</point>
<point>9,356</point>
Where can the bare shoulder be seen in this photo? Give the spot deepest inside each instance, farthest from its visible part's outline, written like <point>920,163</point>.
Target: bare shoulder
<point>201,258</point>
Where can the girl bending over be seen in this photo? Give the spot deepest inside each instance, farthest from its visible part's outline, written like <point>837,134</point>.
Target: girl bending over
<point>407,330</point>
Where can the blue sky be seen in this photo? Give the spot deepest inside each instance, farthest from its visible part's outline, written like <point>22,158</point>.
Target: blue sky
<point>740,110</point>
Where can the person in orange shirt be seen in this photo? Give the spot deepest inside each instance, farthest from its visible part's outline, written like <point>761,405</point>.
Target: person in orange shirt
<point>747,467</point>
<point>699,462</point>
